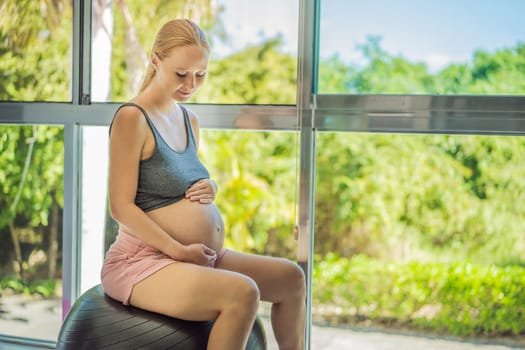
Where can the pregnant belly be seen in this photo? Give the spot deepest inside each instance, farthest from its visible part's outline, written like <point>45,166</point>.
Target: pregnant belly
<point>191,222</point>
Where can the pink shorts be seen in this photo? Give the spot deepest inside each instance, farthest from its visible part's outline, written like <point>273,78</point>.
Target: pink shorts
<point>128,261</point>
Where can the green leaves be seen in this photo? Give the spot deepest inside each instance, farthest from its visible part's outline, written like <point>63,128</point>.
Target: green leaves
<point>418,196</point>
<point>492,73</point>
<point>35,50</point>
<point>31,173</point>
<point>256,176</point>
<point>44,288</point>
<point>257,75</point>
<point>462,299</point>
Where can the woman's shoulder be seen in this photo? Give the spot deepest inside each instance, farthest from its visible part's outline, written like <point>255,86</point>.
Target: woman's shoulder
<point>129,116</point>
<point>194,119</point>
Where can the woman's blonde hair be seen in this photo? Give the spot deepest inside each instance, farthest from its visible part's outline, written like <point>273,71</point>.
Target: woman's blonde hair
<point>175,33</point>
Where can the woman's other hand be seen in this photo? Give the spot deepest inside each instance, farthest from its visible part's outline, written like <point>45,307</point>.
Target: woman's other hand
<point>202,191</point>
<point>199,254</point>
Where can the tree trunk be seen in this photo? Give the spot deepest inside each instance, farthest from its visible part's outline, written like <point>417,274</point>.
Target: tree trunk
<point>18,251</point>
<point>102,47</point>
<point>12,231</point>
<point>52,253</point>
<point>136,59</point>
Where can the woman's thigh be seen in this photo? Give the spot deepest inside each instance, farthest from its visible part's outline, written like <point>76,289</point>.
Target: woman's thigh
<point>190,292</point>
<point>277,278</point>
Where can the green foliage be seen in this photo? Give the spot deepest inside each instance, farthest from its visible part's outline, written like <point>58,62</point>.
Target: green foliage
<point>462,299</point>
<point>257,75</point>
<point>44,177</point>
<point>502,72</point>
<point>421,196</point>
<point>145,25</point>
<point>35,59</point>
<point>256,174</point>
<point>43,288</point>
<point>30,18</point>
<point>382,74</point>
<point>335,76</point>
<point>26,201</point>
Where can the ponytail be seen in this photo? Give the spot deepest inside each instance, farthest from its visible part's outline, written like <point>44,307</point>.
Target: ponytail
<point>150,72</point>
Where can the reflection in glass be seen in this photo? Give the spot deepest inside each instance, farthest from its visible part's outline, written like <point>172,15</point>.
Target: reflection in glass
<point>31,183</point>
<point>422,47</point>
<point>35,50</point>
<point>420,233</point>
<point>241,69</point>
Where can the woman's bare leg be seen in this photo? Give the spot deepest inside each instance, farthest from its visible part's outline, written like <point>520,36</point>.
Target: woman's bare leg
<point>198,293</point>
<point>280,282</point>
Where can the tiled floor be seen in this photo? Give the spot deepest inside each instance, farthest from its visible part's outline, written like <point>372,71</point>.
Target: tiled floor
<point>326,338</point>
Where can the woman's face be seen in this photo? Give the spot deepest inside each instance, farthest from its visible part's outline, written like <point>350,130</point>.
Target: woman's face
<point>182,72</point>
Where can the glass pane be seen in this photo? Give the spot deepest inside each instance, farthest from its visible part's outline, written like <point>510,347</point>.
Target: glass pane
<point>31,203</point>
<point>35,50</point>
<point>257,176</point>
<point>422,47</point>
<point>253,48</point>
<point>264,222</point>
<point>419,234</point>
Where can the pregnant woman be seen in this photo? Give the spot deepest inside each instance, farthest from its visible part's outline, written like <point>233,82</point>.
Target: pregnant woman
<point>169,256</point>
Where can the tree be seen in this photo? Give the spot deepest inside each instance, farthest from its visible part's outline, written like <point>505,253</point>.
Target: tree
<point>35,58</point>
<point>501,72</point>
<point>31,176</point>
<point>32,156</point>
<point>335,76</point>
<point>260,74</point>
<point>135,28</point>
<point>393,195</point>
<point>384,73</point>
<point>256,173</point>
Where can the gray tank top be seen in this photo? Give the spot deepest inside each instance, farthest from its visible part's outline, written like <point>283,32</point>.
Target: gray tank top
<point>166,175</point>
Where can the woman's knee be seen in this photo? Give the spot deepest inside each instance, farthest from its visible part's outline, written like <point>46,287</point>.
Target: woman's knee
<point>244,295</point>
<point>295,278</point>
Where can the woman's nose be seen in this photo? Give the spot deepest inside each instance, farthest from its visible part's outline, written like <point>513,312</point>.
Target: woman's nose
<point>189,82</point>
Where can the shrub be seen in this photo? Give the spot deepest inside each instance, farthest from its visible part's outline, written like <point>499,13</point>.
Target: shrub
<point>459,299</point>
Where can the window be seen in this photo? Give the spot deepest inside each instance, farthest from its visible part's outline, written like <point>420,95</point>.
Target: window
<point>31,183</point>
<point>248,53</point>
<point>418,231</point>
<point>422,47</point>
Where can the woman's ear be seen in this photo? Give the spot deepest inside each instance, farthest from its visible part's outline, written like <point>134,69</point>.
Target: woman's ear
<point>155,61</point>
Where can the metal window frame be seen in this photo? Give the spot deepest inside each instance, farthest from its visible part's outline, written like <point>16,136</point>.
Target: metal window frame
<point>307,72</point>
<point>313,113</point>
<point>440,114</point>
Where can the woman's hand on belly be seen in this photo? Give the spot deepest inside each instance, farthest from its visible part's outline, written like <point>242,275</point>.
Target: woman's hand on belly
<point>203,191</point>
<point>199,254</point>
<point>191,223</point>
